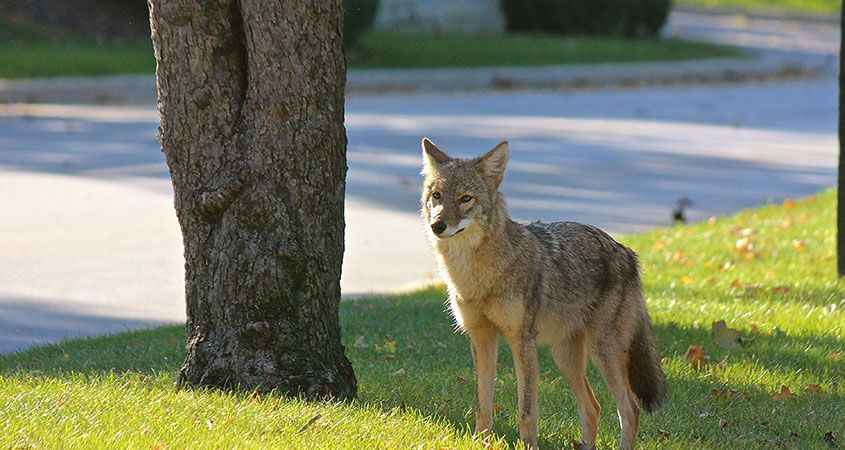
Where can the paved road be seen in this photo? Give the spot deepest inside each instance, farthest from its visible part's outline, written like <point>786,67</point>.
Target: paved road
<point>90,244</point>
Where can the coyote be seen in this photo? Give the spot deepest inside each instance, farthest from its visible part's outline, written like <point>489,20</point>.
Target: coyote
<point>564,284</point>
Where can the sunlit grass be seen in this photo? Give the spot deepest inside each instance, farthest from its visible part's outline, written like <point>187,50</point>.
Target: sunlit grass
<point>802,6</point>
<point>27,51</point>
<point>777,287</point>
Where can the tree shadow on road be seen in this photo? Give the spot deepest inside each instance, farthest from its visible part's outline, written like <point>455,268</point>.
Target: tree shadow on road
<point>25,322</point>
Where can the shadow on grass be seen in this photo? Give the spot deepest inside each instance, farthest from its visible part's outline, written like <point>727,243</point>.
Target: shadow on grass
<point>438,378</point>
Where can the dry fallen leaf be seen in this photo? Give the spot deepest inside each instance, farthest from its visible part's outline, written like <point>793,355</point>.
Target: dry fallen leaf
<point>752,288</point>
<point>744,245</point>
<point>696,356</point>
<point>309,423</point>
<point>723,423</point>
<point>400,372</point>
<point>727,393</point>
<point>834,357</point>
<point>780,290</point>
<point>359,343</point>
<point>813,389</point>
<point>389,344</point>
<point>769,275</point>
<point>783,394</point>
<point>725,337</point>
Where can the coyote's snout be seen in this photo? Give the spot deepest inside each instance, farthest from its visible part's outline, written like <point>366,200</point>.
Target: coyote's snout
<point>564,284</point>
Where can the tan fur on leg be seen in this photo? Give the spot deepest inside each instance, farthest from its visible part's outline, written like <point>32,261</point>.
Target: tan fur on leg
<point>571,360</point>
<point>524,351</point>
<point>483,341</point>
<point>626,407</point>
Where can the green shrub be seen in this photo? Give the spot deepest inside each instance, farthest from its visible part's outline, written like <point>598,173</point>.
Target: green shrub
<point>647,17</point>
<point>358,17</point>
<point>631,18</point>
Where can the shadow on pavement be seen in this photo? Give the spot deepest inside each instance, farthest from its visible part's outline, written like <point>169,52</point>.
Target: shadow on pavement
<point>618,160</point>
<point>26,322</point>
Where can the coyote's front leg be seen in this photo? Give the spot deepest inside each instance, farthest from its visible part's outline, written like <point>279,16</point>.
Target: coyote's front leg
<point>483,341</point>
<point>524,349</point>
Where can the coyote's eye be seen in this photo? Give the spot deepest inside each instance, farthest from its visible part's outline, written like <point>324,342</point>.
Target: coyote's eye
<point>466,199</point>
<point>435,195</point>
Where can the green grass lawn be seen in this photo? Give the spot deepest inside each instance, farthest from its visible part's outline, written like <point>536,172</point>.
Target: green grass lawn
<point>395,50</point>
<point>768,272</point>
<point>802,6</point>
<point>28,52</point>
<point>74,58</point>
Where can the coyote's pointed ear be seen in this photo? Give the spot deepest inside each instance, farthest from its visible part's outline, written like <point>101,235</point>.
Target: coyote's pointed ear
<point>492,165</point>
<point>432,156</point>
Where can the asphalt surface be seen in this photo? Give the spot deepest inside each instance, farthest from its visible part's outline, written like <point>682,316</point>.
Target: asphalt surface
<point>90,242</point>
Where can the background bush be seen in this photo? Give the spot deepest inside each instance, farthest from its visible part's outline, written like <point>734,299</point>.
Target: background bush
<point>101,19</point>
<point>358,17</point>
<point>129,19</point>
<point>630,18</point>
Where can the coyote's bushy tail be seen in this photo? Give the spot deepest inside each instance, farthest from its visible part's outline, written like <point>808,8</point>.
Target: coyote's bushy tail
<point>644,372</point>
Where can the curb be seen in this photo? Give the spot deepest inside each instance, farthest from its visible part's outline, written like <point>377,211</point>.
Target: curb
<point>141,89</point>
<point>101,90</point>
<point>582,76</point>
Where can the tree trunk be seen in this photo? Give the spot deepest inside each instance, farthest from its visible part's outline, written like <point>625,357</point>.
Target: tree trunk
<point>840,194</point>
<point>250,94</point>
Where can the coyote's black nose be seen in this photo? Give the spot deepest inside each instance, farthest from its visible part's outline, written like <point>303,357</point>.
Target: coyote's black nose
<point>438,227</point>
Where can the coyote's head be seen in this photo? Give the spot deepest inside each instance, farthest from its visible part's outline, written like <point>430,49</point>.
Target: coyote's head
<point>460,195</point>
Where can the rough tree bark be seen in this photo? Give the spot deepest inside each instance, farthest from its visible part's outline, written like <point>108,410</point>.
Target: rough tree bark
<point>840,194</point>
<point>250,94</point>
